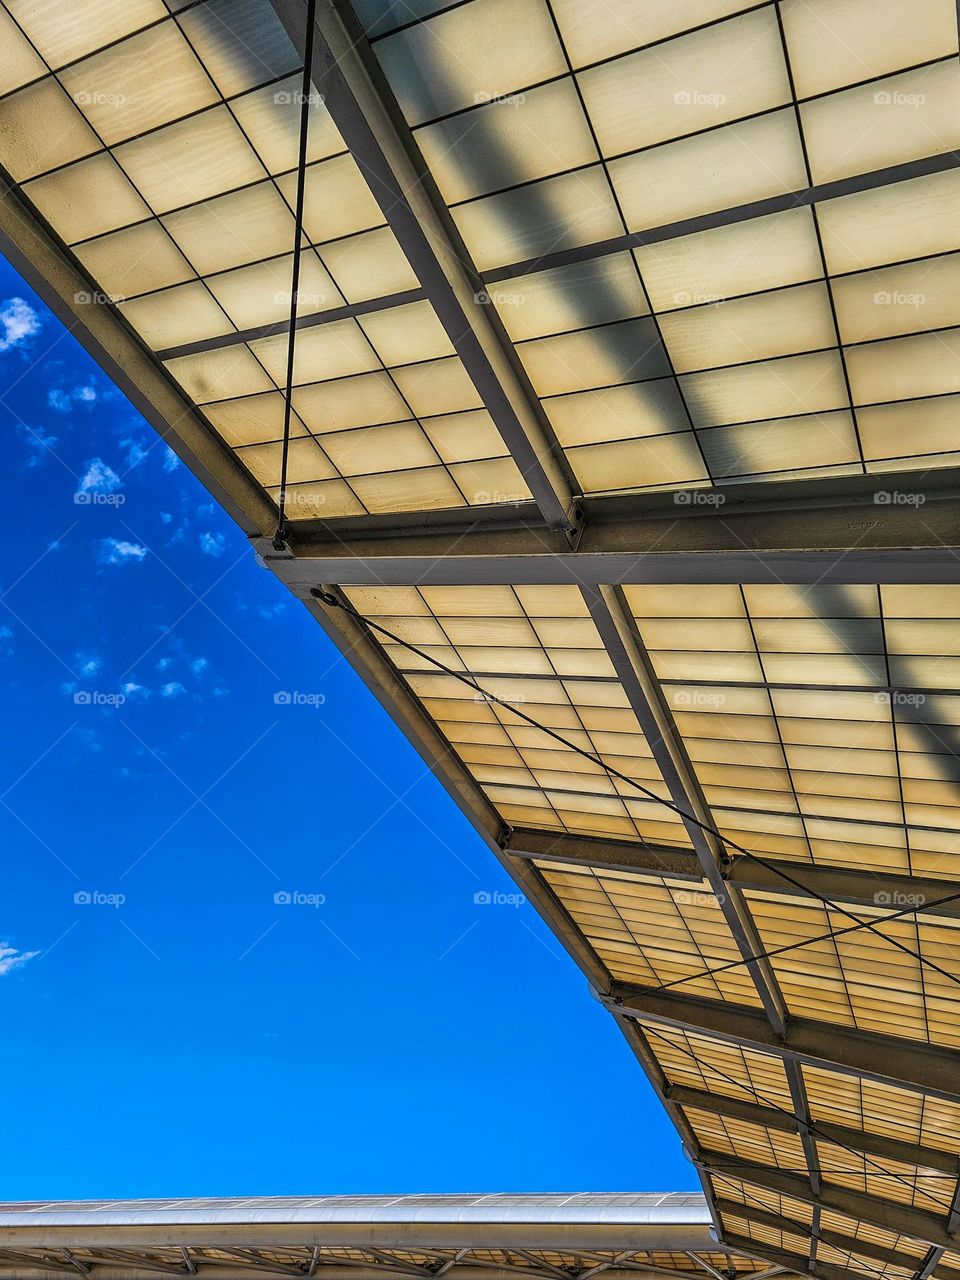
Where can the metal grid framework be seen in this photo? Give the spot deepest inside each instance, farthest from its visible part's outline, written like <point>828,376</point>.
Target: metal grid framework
<point>626,386</point>
<point>492,1237</point>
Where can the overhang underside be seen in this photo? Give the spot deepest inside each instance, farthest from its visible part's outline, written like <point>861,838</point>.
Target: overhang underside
<point>624,438</point>
<point>489,1237</point>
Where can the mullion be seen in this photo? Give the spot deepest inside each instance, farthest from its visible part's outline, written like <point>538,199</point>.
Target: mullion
<point>376,353</point>
<point>816,228</point>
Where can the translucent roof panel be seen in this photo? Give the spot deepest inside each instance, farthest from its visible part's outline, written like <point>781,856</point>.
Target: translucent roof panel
<point>565,249</point>
<point>763,350</point>
<point>821,721</point>
<point>536,649</point>
<point>176,192</point>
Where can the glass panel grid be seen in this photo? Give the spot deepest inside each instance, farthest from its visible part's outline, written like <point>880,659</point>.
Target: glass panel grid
<point>651,933</point>
<point>537,649</point>
<point>764,388</point>
<point>882,1109</point>
<point>886,1179</point>
<point>742,1141</point>
<point>819,720</point>
<point>714,1066</point>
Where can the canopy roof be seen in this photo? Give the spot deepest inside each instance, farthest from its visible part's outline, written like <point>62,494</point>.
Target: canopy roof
<point>626,386</point>
<point>489,1237</point>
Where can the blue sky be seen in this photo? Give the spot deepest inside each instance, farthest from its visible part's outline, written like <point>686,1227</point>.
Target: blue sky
<point>170,1028</point>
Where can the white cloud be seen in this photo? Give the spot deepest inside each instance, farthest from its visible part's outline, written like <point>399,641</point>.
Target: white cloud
<point>114,551</point>
<point>11,958</point>
<point>99,478</point>
<point>212,544</point>
<point>135,451</point>
<point>198,666</point>
<point>87,664</point>
<point>62,400</point>
<point>164,664</point>
<point>170,460</point>
<point>172,689</point>
<point>6,647</point>
<point>18,321</point>
<point>165,517</point>
<point>40,443</point>
<point>133,690</point>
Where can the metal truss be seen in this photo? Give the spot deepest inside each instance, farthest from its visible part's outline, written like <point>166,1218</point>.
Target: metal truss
<point>235,1263</point>
<point>833,531</point>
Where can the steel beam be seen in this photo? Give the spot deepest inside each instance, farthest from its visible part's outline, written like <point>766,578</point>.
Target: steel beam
<point>931,1265</point>
<point>888,1215</point>
<point>70,294</point>
<point>372,126</point>
<point>873,1144</point>
<point>347,312</point>
<point>635,673</point>
<point>789,1261</point>
<point>816,194</point>
<point>837,1240</point>
<point>922,1068</point>
<point>839,884</point>
<point>39,1270</point>
<point>756,540</point>
<point>609,855</point>
<point>638,679</point>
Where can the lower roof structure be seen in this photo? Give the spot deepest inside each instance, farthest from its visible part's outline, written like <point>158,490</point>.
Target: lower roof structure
<point>487,1237</point>
<point>605,358</point>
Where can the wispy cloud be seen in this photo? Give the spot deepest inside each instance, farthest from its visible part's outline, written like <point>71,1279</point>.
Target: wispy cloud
<point>11,958</point>
<point>40,442</point>
<point>18,322</point>
<point>172,689</point>
<point>99,478</point>
<point>62,400</point>
<point>170,460</point>
<point>212,544</point>
<point>87,664</point>
<point>116,551</point>
<point>136,452</point>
